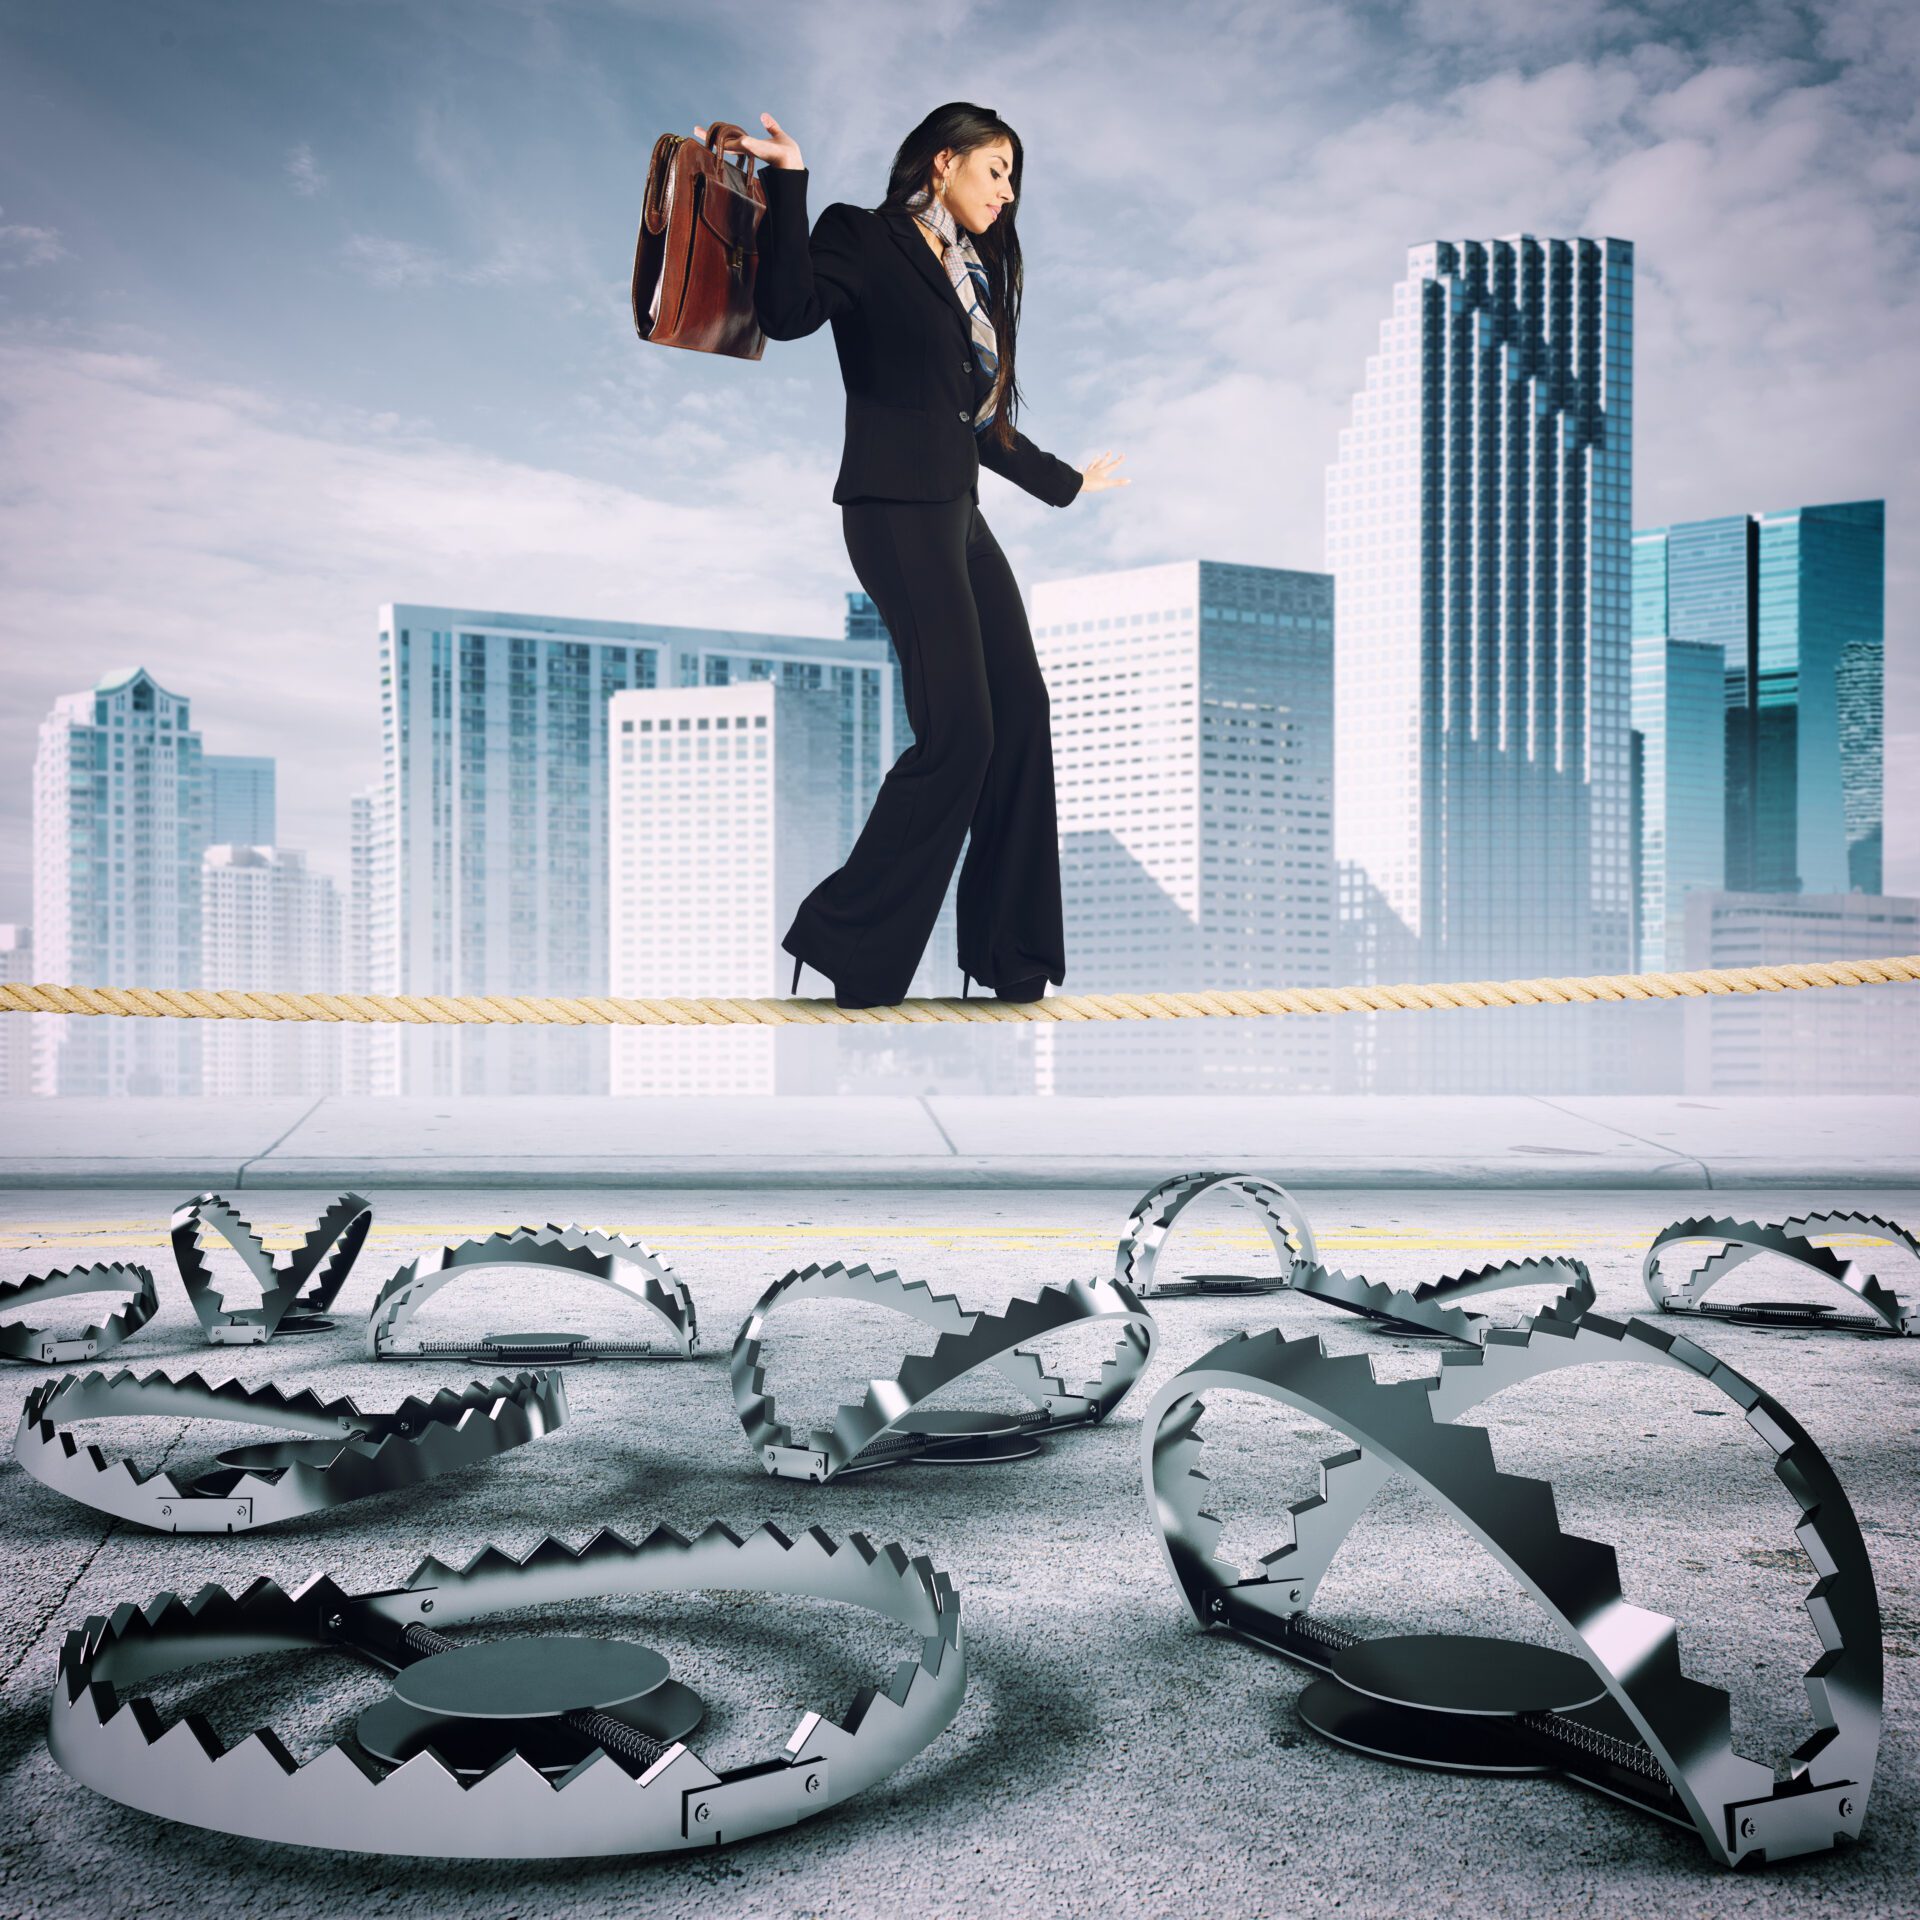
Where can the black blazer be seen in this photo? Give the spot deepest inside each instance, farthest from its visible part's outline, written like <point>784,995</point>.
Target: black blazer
<point>905,347</point>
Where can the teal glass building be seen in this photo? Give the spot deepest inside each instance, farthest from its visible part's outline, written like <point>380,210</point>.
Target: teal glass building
<point>1793,605</point>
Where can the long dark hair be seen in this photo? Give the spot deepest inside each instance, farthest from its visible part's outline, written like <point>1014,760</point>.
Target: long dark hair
<point>963,127</point>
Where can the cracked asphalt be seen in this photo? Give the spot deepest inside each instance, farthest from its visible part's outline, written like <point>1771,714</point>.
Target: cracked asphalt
<point>1109,1757</point>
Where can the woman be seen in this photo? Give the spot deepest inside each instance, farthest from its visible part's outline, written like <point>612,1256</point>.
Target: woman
<point>924,323</point>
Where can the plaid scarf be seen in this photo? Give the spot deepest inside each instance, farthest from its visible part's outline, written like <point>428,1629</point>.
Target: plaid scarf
<point>969,276</point>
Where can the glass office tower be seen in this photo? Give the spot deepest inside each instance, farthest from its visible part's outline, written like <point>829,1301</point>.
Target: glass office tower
<point>1794,603</point>
<point>1679,718</point>
<point>1817,681</point>
<point>1479,527</point>
<point>240,800</point>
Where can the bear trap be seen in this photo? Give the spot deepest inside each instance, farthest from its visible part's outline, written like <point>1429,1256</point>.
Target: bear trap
<point>628,1267</point>
<point>296,1287</point>
<point>1429,1309</point>
<point>1738,1241</point>
<point>1156,1210</point>
<point>884,1429</point>
<point>628,1795</point>
<point>343,1454</point>
<point>20,1342</point>
<point>1658,1740</point>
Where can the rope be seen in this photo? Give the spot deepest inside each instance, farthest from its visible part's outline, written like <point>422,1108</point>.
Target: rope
<point>434,1009</point>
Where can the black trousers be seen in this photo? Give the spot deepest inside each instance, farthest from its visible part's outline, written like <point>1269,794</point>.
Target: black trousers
<point>980,769</point>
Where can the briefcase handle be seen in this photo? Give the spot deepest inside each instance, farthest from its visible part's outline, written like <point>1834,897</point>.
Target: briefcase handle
<point>719,133</point>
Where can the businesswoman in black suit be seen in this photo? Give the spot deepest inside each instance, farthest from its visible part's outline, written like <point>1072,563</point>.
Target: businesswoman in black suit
<point>924,323</point>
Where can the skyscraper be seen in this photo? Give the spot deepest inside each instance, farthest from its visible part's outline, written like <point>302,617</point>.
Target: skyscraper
<point>118,829</point>
<point>1679,718</point>
<point>1817,683</point>
<point>1478,525</point>
<point>1192,709</point>
<point>269,921</point>
<point>240,800</point>
<point>722,817</point>
<point>489,860</point>
<point>1794,603</point>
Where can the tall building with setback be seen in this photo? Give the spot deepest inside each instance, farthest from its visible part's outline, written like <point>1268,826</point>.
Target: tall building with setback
<point>1819,1040</point>
<point>269,921</point>
<point>1479,525</point>
<point>717,833</point>
<point>240,800</point>
<point>1192,711</point>
<point>1793,605</point>
<point>489,857</point>
<point>118,830</point>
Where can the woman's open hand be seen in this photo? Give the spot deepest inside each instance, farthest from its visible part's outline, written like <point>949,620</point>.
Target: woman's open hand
<point>780,149</point>
<point>1099,473</point>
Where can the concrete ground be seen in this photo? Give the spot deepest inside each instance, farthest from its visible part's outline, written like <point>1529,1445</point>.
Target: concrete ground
<point>991,1142</point>
<point>1109,1756</point>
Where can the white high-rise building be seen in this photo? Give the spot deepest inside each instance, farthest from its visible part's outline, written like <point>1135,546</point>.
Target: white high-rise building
<point>489,856</point>
<point>716,834</point>
<point>1192,711</point>
<point>118,830</point>
<point>16,1029</point>
<point>269,921</point>
<point>1479,524</point>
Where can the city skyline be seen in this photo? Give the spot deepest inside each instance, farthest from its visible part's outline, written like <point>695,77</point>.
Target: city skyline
<point>395,343</point>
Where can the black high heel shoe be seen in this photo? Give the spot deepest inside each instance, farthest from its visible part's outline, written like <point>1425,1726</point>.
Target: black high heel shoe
<point>848,1001</point>
<point>1022,992</point>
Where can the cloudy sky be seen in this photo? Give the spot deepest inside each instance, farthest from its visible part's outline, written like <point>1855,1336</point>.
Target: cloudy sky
<point>308,307</point>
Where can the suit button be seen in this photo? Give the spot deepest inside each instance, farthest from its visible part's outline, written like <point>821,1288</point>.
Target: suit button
<point>966,366</point>
<point>964,414</point>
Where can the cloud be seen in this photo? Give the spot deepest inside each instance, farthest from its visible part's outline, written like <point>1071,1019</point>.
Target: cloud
<point>387,262</point>
<point>22,246</point>
<point>394,263</point>
<point>304,172</point>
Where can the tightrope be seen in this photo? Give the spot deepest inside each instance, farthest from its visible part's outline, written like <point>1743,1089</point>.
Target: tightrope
<point>514,1010</point>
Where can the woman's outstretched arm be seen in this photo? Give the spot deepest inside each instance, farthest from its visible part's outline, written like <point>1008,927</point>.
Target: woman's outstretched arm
<point>1044,475</point>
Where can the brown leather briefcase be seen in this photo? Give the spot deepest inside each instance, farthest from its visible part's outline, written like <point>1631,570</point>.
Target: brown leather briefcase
<point>693,264</point>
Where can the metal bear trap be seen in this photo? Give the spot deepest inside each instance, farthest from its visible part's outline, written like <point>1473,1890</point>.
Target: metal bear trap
<point>21,1342</point>
<point>1156,1210</point>
<point>621,1799</point>
<point>296,1287</point>
<point>630,1268</point>
<point>885,1429</point>
<point>1659,1740</point>
<point>343,1454</point>
<point>1739,1241</point>
<point>1429,1308</point>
